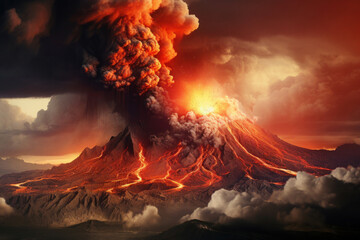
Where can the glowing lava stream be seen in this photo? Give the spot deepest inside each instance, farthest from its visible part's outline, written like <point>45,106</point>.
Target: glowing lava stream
<point>290,172</point>
<point>168,172</point>
<point>282,157</point>
<point>23,188</point>
<point>170,176</point>
<point>137,172</point>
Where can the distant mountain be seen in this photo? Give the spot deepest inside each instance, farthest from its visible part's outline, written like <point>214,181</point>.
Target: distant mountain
<point>14,165</point>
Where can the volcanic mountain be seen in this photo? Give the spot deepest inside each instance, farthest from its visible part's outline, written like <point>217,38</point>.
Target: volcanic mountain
<point>247,152</point>
<point>125,174</point>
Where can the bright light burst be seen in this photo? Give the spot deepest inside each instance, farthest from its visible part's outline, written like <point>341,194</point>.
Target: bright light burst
<point>203,101</point>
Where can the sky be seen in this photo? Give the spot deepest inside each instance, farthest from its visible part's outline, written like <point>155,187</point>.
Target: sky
<point>293,65</point>
<point>29,106</point>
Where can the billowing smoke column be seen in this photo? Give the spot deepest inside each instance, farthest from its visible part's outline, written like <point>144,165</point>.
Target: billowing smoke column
<point>138,38</point>
<point>127,44</point>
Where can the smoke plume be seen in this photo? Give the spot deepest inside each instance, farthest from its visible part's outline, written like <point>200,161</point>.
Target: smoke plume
<point>138,38</point>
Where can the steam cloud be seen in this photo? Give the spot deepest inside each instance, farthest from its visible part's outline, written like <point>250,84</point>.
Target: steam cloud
<point>305,200</point>
<point>191,129</point>
<point>148,218</point>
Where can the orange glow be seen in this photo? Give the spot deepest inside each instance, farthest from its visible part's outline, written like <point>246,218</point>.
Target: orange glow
<point>200,99</point>
<point>202,102</point>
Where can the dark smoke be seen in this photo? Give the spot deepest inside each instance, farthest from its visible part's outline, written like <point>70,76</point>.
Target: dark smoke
<point>53,46</point>
<point>47,45</point>
<point>136,40</point>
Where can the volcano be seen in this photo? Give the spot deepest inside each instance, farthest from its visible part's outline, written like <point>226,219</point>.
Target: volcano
<point>247,152</point>
<point>126,174</point>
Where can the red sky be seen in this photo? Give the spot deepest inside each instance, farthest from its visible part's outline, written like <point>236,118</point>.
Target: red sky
<point>294,65</point>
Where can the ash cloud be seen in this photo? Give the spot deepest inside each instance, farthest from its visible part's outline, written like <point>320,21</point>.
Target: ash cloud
<point>305,201</point>
<point>190,129</point>
<point>125,43</point>
<point>12,20</point>
<point>33,23</point>
<point>141,41</point>
<point>53,47</point>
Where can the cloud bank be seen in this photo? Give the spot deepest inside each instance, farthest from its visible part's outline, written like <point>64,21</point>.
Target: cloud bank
<point>305,201</point>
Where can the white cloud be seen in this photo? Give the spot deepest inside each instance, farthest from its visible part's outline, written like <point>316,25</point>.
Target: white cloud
<point>149,217</point>
<point>303,201</point>
<point>350,175</point>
